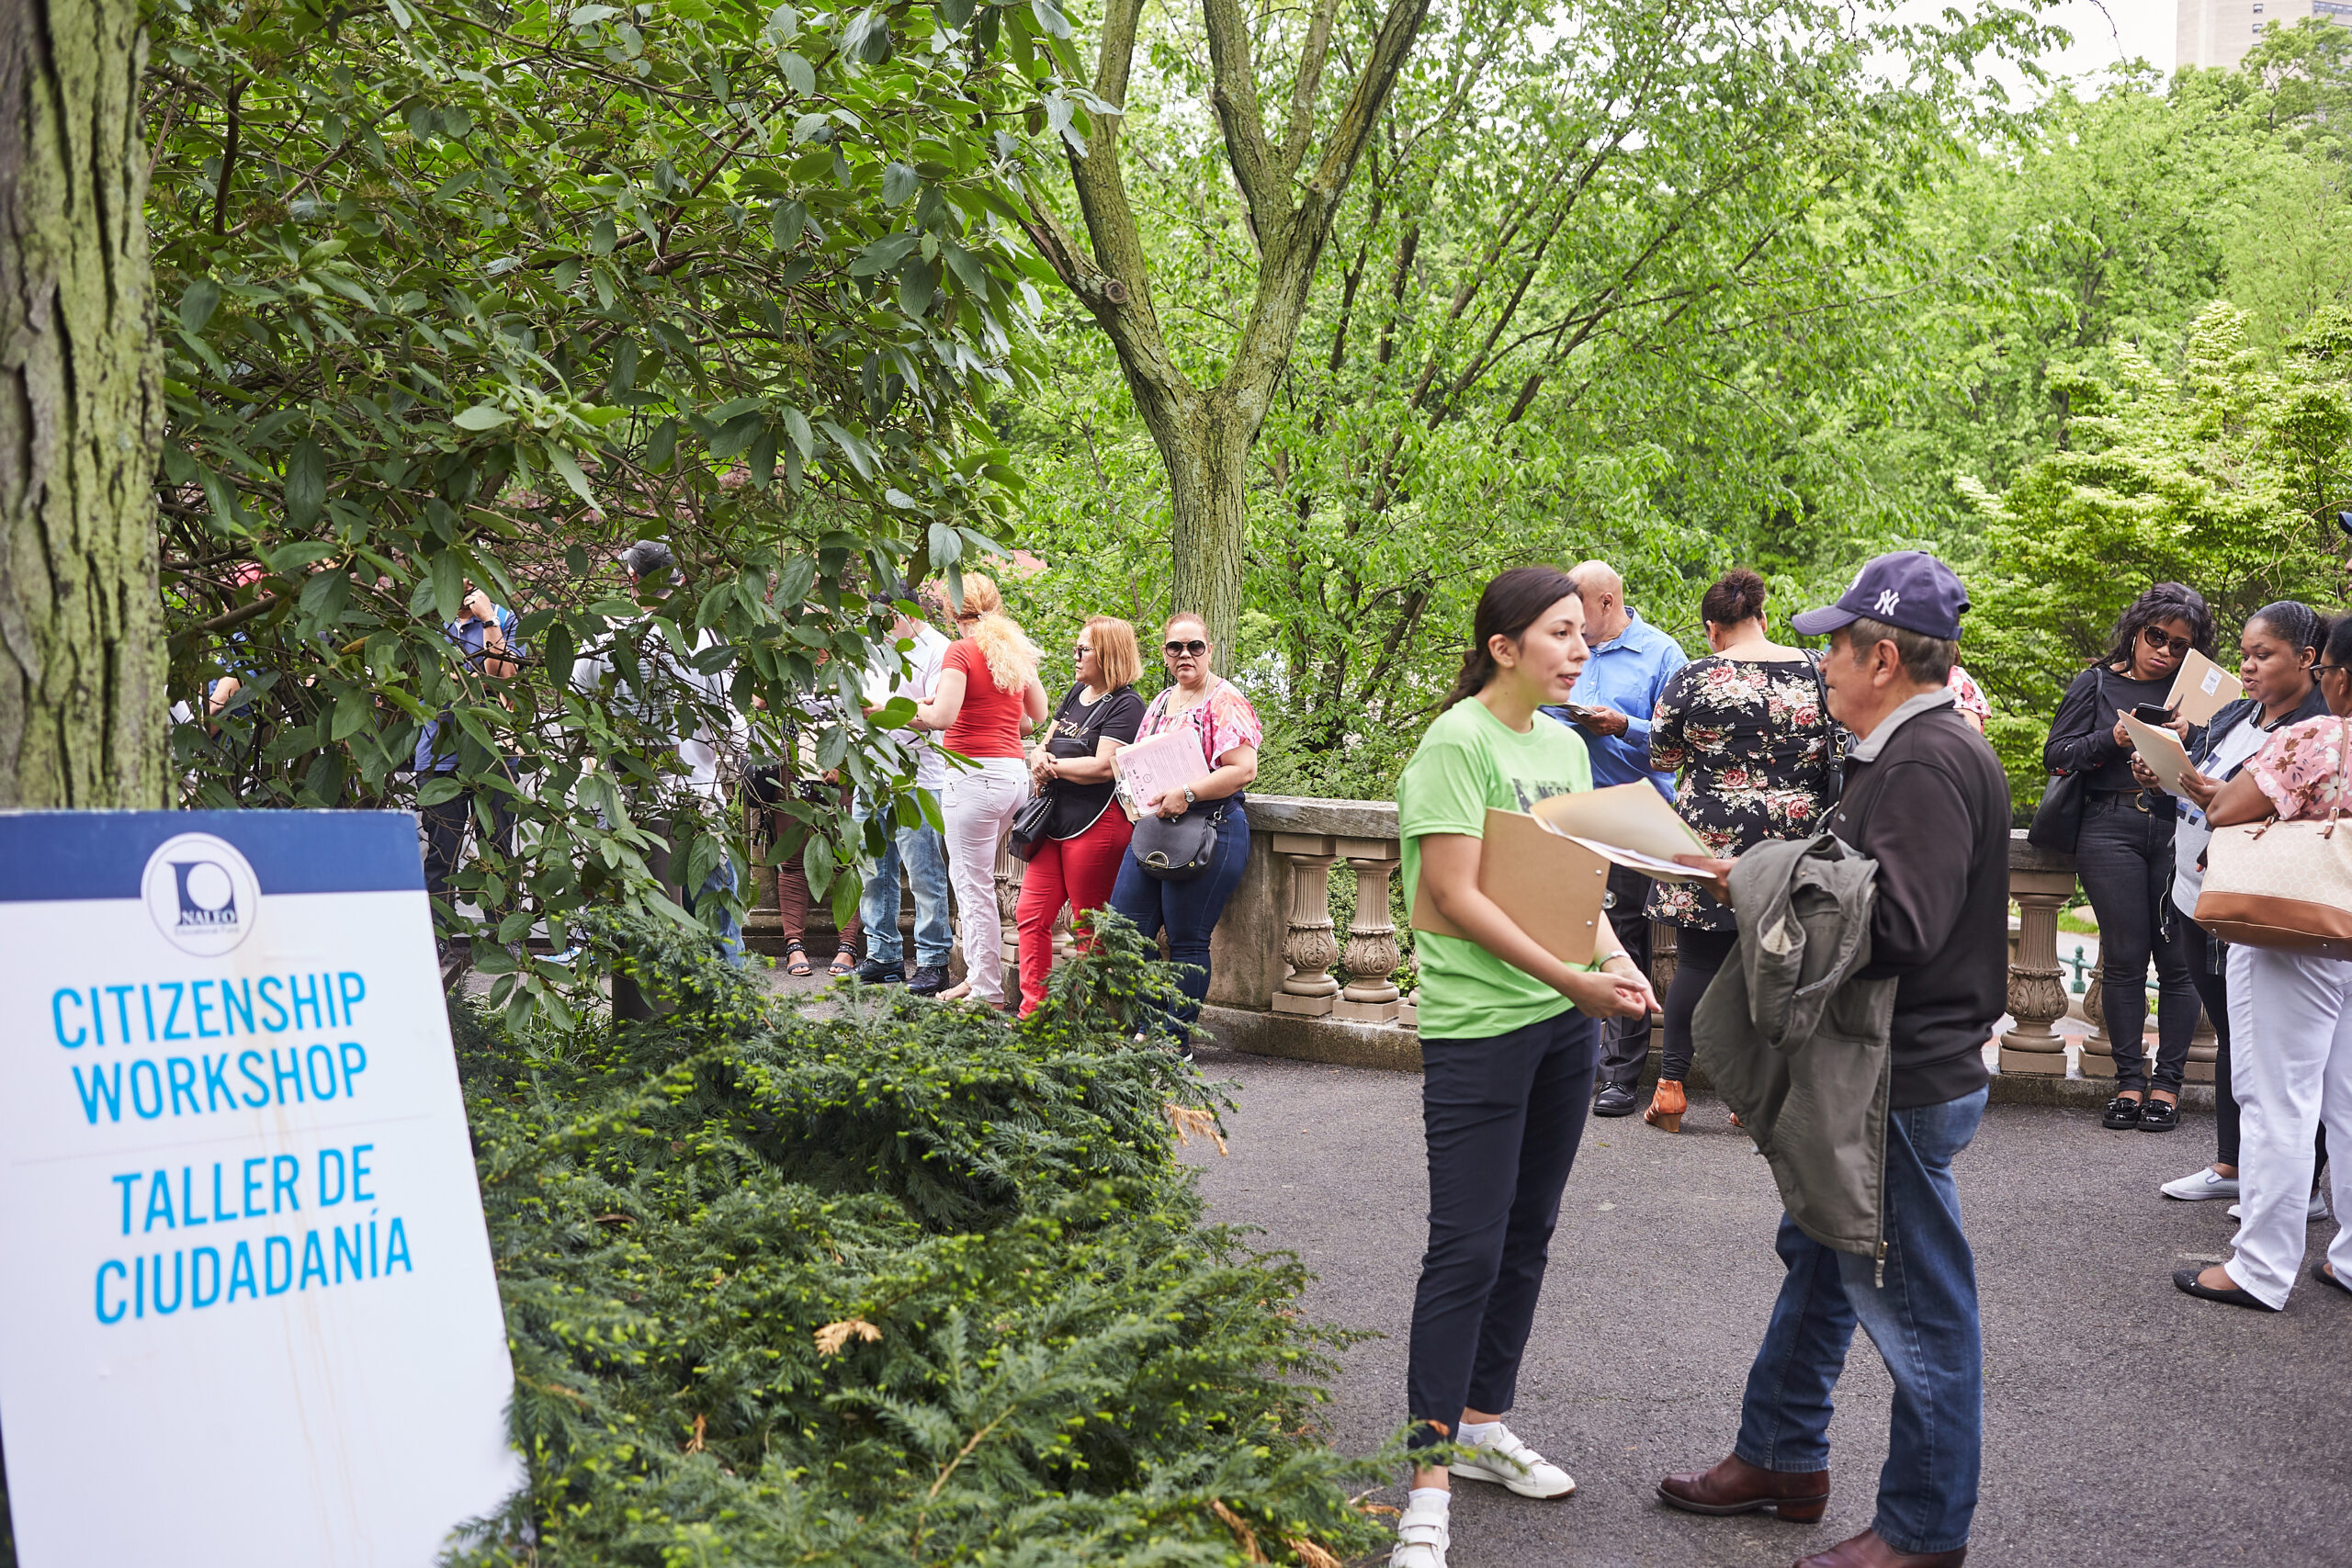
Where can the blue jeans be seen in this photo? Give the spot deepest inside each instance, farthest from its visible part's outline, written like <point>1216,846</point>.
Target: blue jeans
<point>1188,911</point>
<point>722,878</point>
<point>1923,1322</point>
<point>924,854</point>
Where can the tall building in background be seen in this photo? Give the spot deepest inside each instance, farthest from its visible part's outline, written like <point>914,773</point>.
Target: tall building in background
<point>2217,33</point>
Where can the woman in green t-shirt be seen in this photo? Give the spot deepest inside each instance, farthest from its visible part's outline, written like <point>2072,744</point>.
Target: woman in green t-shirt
<point>1508,1046</point>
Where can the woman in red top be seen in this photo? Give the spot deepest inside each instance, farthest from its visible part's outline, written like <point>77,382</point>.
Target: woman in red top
<point>987,695</point>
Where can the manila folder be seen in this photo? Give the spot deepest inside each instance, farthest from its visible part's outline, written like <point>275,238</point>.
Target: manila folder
<point>1549,884</point>
<point>2202,689</point>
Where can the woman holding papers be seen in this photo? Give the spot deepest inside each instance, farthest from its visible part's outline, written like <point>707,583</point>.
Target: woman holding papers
<point>2125,851</point>
<point>2290,1013</point>
<point>2276,654</point>
<point>1750,726</point>
<point>1076,862</point>
<point>1509,1046</point>
<point>988,694</point>
<point>1211,709</point>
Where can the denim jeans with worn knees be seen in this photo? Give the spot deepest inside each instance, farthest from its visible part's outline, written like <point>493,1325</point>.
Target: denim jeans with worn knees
<point>1503,1116</point>
<point>1924,1321</point>
<point>1188,911</point>
<point>2124,858</point>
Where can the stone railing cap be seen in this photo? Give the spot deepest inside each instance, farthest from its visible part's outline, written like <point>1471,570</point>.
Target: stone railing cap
<point>1305,814</point>
<point>2028,857</point>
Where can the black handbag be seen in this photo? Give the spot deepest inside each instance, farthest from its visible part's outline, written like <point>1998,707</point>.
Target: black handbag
<point>1177,848</point>
<point>1833,752</point>
<point>1029,823</point>
<point>2058,820</point>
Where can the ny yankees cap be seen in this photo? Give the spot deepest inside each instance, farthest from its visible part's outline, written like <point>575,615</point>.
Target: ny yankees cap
<point>1910,589</point>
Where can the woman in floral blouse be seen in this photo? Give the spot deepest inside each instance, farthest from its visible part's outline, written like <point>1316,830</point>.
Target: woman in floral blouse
<point>1749,727</point>
<point>2291,1025</point>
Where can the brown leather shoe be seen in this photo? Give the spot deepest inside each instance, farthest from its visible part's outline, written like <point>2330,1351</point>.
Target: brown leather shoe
<point>1736,1487</point>
<point>1866,1551</point>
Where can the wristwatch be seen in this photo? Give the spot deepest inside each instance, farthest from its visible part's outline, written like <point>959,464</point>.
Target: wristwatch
<point>1190,798</point>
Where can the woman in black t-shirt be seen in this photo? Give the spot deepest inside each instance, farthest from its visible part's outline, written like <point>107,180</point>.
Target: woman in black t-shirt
<point>2123,854</point>
<point>1086,837</point>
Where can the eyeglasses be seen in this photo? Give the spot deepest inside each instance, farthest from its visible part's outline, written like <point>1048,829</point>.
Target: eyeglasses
<point>1193,648</point>
<point>2156,639</point>
<point>1081,651</point>
<point>2323,669</point>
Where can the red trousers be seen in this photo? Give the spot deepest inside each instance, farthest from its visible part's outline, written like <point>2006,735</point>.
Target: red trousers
<point>1077,872</point>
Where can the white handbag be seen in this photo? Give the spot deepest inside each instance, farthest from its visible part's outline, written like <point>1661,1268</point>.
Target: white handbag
<point>2284,885</point>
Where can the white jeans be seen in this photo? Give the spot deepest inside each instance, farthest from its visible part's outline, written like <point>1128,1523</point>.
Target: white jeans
<point>2290,1067</point>
<point>977,809</point>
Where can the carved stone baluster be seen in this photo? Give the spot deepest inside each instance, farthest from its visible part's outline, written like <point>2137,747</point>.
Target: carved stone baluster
<point>2041,883</point>
<point>1009,869</point>
<point>1308,946</point>
<point>2204,1048</point>
<point>1372,955</point>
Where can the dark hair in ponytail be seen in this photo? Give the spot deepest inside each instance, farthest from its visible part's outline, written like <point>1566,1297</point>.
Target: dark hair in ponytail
<point>1737,595</point>
<point>1511,603</point>
<point>2297,624</point>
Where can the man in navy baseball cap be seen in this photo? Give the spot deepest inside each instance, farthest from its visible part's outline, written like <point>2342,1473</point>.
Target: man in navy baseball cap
<point>1926,802</point>
<point>1910,589</point>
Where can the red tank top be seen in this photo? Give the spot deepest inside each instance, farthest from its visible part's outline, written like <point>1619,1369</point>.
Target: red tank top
<point>988,723</point>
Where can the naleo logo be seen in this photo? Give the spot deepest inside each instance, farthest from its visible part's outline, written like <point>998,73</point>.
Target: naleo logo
<point>201,893</point>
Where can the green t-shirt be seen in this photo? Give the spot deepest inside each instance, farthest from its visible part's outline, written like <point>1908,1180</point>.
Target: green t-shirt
<point>1467,761</point>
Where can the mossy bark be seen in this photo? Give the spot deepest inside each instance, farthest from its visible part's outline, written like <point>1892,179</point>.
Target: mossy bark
<point>82,658</point>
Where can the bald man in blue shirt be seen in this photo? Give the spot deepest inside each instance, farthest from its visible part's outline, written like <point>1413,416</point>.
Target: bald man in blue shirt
<point>1611,706</point>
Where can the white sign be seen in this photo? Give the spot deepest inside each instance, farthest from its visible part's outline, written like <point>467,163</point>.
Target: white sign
<point>249,1315</point>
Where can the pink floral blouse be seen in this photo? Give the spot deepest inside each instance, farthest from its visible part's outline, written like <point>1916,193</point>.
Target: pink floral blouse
<point>2301,769</point>
<point>1223,721</point>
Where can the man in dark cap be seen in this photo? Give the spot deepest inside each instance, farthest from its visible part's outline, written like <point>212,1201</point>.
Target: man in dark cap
<point>1925,798</point>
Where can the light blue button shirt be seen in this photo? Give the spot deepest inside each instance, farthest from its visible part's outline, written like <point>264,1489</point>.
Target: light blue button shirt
<point>1628,673</point>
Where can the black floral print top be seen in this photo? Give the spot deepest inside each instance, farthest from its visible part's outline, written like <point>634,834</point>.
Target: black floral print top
<point>1753,746</point>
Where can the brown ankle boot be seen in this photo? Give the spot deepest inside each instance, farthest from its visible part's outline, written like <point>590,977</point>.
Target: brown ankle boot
<point>1667,1106</point>
<point>1736,1487</point>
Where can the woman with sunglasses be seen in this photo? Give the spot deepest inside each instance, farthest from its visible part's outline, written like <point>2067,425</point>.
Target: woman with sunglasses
<point>988,694</point>
<point>2275,657</point>
<point>2290,1013</point>
<point>2123,854</point>
<point>1076,862</point>
<point>1215,712</point>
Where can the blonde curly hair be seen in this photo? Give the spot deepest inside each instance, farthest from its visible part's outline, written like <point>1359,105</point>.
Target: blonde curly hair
<point>1012,657</point>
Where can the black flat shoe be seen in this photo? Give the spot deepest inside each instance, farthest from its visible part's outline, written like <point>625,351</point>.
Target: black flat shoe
<point>2327,1276</point>
<point>2159,1116</point>
<point>2121,1114</point>
<point>2186,1279</point>
<point>1615,1100</point>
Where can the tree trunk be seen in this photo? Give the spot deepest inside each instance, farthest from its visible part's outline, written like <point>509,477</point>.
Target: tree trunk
<point>82,658</point>
<point>1204,443</point>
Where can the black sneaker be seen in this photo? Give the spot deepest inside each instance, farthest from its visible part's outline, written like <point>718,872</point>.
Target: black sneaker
<point>875,971</point>
<point>1615,1100</point>
<point>2121,1114</point>
<point>929,980</point>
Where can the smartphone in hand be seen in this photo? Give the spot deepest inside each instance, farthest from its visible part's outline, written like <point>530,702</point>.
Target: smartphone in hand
<point>2152,713</point>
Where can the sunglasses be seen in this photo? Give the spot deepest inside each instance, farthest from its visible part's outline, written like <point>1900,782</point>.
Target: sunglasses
<point>2156,638</point>
<point>1081,651</point>
<point>1193,648</point>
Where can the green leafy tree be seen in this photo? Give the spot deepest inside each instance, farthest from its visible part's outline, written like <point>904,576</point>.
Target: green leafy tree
<point>467,296</point>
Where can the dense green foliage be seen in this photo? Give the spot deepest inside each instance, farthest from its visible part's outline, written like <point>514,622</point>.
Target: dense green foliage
<point>1039,1353</point>
<point>1688,287</point>
<point>472,294</point>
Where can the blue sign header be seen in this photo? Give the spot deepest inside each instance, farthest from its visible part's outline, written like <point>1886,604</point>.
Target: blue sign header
<point>50,855</point>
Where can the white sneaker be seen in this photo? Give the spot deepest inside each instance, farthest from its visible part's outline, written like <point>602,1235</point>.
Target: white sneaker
<point>2202,1184</point>
<point>1506,1460</point>
<point>2319,1210</point>
<point>1421,1540</point>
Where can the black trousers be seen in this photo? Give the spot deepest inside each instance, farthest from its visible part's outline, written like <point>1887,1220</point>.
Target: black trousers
<point>1625,1042</point>
<point>445,826</point>
<point>2124,858</point>
<point>1504,1116</point>
<point>2212,980</point>
<point>1699,954</point>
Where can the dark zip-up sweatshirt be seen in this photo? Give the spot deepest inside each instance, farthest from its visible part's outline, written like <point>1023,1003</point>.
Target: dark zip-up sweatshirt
<point>1933,810</point>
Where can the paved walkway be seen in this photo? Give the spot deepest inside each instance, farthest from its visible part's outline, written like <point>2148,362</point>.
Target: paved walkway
<point>2126,1423</point>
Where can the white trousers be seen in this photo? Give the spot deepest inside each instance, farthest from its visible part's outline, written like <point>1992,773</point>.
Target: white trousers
<point>2290,1067</point>
<point>977,809</point>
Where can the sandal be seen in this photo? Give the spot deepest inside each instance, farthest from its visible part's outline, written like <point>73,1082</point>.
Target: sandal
<point>2327,1276</point>
<point>796,960</point>
<point>1667,1105</point>
<point>844,963</point>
